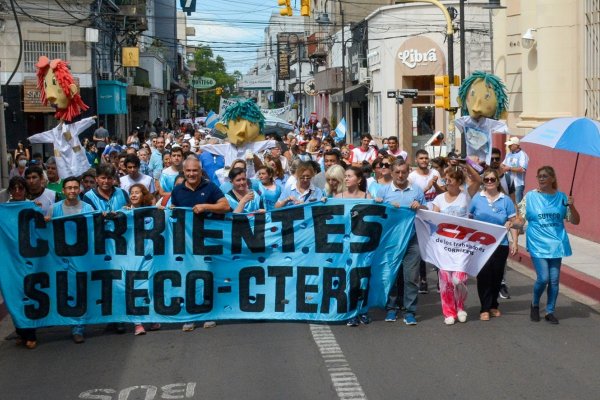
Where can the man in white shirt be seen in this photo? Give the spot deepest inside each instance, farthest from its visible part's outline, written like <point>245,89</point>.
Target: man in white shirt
<point>515,166</point>
<point>132,166</point>
<point>40,195</point>
<point>365,152</point>
<point>394,149</point>
<point>424,177</point>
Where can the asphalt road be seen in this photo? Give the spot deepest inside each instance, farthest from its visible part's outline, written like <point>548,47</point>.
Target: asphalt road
<point>506,358</point>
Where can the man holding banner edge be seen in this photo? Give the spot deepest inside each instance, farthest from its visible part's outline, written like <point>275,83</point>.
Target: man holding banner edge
<point>400,193</point>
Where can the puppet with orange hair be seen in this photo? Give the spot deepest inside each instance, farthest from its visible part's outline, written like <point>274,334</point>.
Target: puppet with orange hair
<point>58,89</point>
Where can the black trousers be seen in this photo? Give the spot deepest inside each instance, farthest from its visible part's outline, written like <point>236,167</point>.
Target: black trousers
<point>490,279</point>
<point>27,334</point>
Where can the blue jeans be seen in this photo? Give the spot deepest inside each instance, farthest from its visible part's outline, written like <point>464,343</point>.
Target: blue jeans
<point>519,190</point>
<point>548,274</point>
<point>410,272</point>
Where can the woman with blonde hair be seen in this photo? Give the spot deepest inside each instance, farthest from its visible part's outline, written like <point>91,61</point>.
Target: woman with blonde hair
<point>334,180</point>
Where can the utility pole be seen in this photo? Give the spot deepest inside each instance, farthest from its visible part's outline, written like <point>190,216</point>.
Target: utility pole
<point>3,148</point>
<point>462,40</point>
<point>450,39</point>
<point>344,74</point>
<point>300,84</point>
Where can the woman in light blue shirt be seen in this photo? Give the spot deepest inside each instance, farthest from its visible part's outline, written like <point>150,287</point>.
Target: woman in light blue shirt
<point>493,206</point>
<point>303,191</point>
<point>241,198</point>
<point>545,210</point>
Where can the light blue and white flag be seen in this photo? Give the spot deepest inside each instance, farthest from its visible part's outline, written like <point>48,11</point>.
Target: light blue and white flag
<point>212,119</point>
<point>292,99</point>
<point>340,130</point>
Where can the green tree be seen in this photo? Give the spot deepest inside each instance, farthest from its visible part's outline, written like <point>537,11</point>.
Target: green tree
<point>212,67</point>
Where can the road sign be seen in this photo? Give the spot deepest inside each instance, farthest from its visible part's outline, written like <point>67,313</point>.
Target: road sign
<point>202,82</point>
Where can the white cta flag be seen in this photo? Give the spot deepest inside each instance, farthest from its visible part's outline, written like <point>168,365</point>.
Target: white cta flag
<point>454,243</point>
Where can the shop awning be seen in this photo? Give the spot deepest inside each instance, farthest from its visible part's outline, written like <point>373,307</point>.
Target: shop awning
<point>353,93</point>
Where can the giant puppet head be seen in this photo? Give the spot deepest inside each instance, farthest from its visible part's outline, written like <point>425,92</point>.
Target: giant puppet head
<point>58,88</point>
<point>483,95</point>
<point>242,122</point>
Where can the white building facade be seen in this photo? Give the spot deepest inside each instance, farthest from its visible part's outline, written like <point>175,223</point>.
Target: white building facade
<point>407,48</point>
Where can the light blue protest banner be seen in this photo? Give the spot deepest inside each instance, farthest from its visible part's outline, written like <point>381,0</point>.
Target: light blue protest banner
<point>318,262</point>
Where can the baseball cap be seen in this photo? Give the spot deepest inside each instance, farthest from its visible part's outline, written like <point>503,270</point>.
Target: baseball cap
<point>512,140</point>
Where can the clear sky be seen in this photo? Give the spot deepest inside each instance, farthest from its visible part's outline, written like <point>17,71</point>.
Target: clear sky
<point>232,28</point>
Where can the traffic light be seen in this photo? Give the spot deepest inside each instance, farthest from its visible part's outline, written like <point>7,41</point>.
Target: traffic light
<point>442,91</point>
<point>219,91</point>
<point>305,8</point>
<point>288,7</point>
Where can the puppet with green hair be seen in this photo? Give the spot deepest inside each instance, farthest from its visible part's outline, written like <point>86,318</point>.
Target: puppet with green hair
<point>483,101</point>
<point>243,123</point>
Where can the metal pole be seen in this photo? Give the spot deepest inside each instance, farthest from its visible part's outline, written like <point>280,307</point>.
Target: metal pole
<point>344,71</point>
<point>3,149</point>
<point>462,40</point>
<point>300,89</point>
<point>491,43</point>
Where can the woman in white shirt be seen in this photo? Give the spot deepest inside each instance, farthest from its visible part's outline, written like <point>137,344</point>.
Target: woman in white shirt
<point>453,284</point>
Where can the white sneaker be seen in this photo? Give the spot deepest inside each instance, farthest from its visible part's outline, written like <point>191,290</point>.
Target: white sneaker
<point>462,316</point>
<point>209,324</point>
<point>188,327</point>
<point>449,320</point>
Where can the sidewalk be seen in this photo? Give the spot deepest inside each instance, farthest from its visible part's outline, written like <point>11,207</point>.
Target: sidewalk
<point>580,272</point>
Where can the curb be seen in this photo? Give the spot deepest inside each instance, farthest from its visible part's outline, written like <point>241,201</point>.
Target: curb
<point>575,280</point>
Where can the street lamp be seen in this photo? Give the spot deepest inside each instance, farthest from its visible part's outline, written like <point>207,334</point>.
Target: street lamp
<point>299,59</point>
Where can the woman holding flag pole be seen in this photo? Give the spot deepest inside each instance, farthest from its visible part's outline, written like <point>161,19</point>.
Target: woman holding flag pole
<point>453,284</point>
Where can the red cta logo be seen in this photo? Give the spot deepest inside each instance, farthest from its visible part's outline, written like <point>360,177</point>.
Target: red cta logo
<point>463,233</point>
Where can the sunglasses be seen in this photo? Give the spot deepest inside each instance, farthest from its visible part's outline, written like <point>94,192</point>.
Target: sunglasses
<point>385,165</point>
<point>489,180</point>
<point>543,176</point>
<point>495,158</point>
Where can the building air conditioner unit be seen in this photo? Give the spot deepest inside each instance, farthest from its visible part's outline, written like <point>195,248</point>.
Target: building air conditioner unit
<point>363,76</point>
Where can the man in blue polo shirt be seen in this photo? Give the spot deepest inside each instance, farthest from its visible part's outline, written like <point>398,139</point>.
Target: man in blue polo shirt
<point>400,193</point>
<point>202,196</point>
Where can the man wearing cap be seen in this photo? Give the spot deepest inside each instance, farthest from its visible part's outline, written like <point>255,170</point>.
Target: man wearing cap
<point>515,166</point>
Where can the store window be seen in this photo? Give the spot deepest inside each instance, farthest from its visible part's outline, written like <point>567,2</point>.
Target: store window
<point>32,50</point>
<point>377,114</point>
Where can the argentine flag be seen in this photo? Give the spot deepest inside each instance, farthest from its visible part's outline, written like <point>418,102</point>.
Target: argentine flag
<point>340,130</point>
<point>211,120</point>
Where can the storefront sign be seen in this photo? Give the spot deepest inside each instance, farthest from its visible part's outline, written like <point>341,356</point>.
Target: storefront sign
<point>254,82</point>
<point>420,56</point>
<point>32,97</point>
<point>283,57</point>
<point>413,57</point>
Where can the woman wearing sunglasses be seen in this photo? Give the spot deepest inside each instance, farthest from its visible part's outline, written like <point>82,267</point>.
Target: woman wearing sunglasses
<point>383,175</point>
<point>303,191</point>
<point>493,206</point>
<point>545,210</point>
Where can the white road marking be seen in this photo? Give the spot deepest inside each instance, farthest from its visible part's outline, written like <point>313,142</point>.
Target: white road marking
<point>344,380</point>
